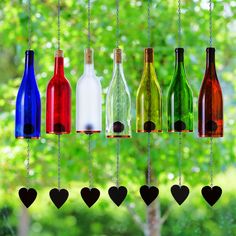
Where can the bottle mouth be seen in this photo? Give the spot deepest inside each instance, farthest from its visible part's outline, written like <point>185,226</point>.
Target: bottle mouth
<point>88,55</point>
<point>118,55</point>
<point>59,53</point>
<point>149,55</point>
<point>29,52</point>
<point>179,50</point>
<point>210,49</point>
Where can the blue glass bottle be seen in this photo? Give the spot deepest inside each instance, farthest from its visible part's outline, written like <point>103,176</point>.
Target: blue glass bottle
<point>28,104</point>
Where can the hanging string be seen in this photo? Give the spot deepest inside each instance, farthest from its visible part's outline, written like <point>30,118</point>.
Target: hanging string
<point>59,161</point>
<point>29,25</point>
<point>117,162</point>
<point>149,159</point>
<point>28,163</point>
<point>117,23</point>
<point>149,23</point>
<point>179,24</point>
<point>90,163</point>
<point>211,161</point>
<point>89,24</point>
<point>59,24</point>
<point>180,158</point>
<point>210,23</point>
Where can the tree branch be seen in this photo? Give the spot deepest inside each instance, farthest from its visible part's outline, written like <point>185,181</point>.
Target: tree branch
<point>137,219</point>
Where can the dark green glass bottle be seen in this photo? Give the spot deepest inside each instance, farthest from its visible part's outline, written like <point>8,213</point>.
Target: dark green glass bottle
<point>180,98</point>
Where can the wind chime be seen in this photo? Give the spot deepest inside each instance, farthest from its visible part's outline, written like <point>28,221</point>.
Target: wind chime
<point>118,112</point>
<point>180,109</point>
<point>210,112</point>
<point>28,113</point>
<point>149,111</point>
<point>58,112</point>
<point>89,111</point>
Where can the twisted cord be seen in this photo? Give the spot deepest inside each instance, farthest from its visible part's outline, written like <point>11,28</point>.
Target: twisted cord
<point>117,162</point>
<point>211,162</point>
<point>59,24</point>
<point>149,23</point>
<point>179,24</point>
<point>180,158</point>
<point>90,163</point>
<point>28,163</point>
<point>29,25</point>
<point>210,23</point>
<point>59,162</point>
<point>117,23</point>
<point>149,159</point>
<point>89,24</point>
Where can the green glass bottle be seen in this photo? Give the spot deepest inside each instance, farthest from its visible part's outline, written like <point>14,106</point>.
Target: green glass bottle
<point>180,98</point>
<point>149,98</point>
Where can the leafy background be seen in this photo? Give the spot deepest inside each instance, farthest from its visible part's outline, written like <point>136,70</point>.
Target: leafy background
<point>195,217</point>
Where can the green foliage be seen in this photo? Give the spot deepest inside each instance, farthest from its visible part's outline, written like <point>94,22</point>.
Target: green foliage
<point>133,17</point>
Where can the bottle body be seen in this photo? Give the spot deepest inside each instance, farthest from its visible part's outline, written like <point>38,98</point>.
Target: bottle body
<point>28,103</point>
<point>210,101</point>
<point>180,99</point>
<point>149,98</point>
<point>118,102</point>
<point>88,99</point>
<point>58,100</point>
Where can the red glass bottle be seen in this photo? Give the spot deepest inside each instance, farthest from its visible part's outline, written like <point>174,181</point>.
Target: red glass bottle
<point>58,100</point>
<point>210,101</point>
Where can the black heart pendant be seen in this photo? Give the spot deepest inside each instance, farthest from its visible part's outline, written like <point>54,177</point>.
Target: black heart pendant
<point>117,195</point>
<point>90,195</point>
<point>211,194</point>
<point>58,196</point>
<point>179,193</point>
<point>149,193</point>
<point>27,196</point>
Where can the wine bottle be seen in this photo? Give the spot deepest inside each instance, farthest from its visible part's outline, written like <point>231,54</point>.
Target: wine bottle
<point>58,100</point>
<point>180,98</point>
<point>28,104</point>
<point>89,98</point>
<point>210,101</point>
<point>149,98</point>
<point>118,102</point>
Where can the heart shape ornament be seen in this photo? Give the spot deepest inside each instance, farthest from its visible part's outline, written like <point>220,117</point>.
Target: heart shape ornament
<point>58,196</point>
<point>117,194</point>
<point>27,196</point>
<point>211,194</point>
<point>148,193</point>
<point>90,195</point>
<point>179,193</point>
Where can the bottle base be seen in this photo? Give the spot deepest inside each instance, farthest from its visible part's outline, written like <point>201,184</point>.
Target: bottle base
<point>152,131</point>
<point>182,131</point>
<point>23,137</point>
<point>88,131</point>
<point>118,136</point>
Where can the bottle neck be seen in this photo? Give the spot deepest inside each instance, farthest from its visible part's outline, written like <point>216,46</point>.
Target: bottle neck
<point>88,62</point>
<point>210,59</point>
<point>29,61</point>
<point>179,59</point>
<point>59,66</point>
<point>118,60</point>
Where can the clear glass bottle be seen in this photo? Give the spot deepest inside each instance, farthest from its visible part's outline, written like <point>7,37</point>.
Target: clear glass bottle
<point>88,98</point>
<point>149,98</point>
<point>118,102</point>
<point>28,103</point>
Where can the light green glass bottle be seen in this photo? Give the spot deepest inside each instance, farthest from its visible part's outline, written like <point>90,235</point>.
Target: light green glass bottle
<point>180,98</point>
<point>149,98</point>
<point>118,102</point>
